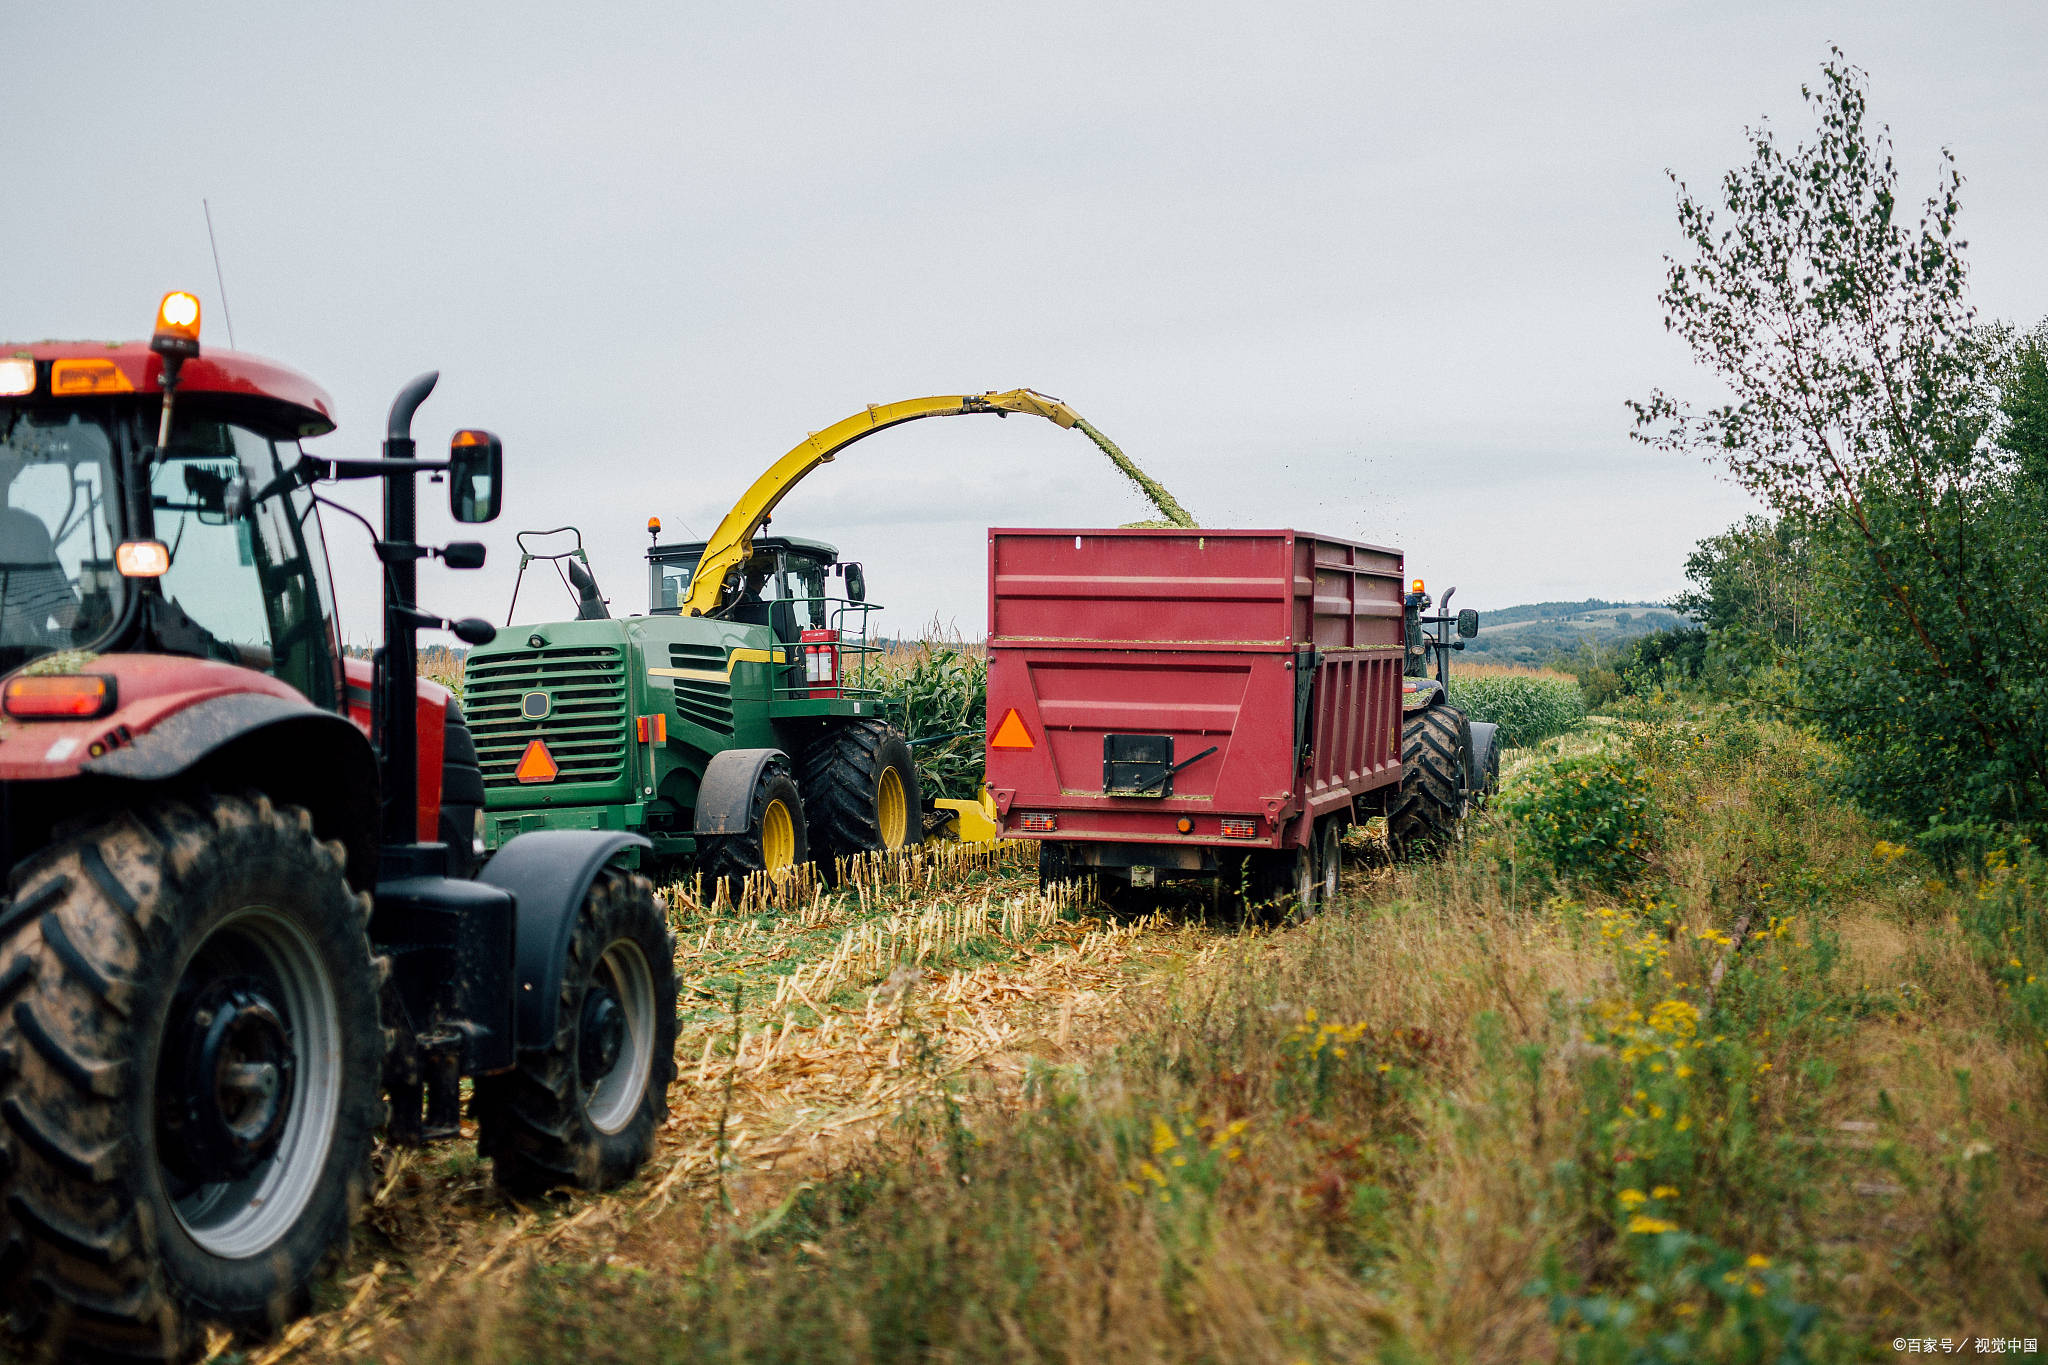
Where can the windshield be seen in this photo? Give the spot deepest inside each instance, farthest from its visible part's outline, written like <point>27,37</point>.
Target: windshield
<point>58,588</point>
<point>671,583</point>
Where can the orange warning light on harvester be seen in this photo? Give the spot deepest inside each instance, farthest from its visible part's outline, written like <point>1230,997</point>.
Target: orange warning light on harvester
<point>537,764</point>
<point>1011,734</point>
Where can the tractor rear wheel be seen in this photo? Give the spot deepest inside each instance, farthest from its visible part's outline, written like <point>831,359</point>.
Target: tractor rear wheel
<point>1424,814</point>
<point>860,791</point>
<point>194,1055</point>
<point>583,1110</point>
<point>776,840</point>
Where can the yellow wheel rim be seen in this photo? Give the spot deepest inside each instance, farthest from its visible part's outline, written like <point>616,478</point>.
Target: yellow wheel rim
<point>778,838</point>
<point>892,810</point>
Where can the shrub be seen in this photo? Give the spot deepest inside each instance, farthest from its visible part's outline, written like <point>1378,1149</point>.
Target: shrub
<point>1527,707</point>
<point>1589,819</point>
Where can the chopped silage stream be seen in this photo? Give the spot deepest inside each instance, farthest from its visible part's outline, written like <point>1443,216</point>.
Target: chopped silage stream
<point>944,970</point>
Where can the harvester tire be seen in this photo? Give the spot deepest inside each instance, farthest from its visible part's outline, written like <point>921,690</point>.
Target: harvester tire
<point>733,858</point>
<point>1423,817</point>
<point>462,793</point>
<point>860,791</point>
<point>584,1110</point>
<point>189,1021</point>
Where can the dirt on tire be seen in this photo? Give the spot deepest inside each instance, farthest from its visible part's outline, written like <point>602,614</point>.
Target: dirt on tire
<point>101,1255</point>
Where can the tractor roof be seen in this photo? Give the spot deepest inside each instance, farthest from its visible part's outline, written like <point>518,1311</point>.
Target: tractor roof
<point>816,549</point>
<point>274,394</point>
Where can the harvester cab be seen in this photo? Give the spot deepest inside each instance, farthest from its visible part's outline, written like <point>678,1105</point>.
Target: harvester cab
<point>239,935</point>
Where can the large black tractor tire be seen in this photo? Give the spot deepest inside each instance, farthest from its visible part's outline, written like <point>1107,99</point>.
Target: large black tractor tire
<point>462,793</point>
<point>189,1027</point>
<point>771,843</point>
<point>861,791</point>
<point>584,1110</point>
<point>1423,817</point>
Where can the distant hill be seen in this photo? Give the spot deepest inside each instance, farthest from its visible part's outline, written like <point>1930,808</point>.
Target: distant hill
<point>1545,632</point>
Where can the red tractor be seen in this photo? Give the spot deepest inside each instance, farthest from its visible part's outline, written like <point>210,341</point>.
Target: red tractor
<point>243,930</point>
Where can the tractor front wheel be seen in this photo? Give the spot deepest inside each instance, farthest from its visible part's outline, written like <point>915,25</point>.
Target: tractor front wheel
<point>190,1023</point>
<point>860,791</point>
<point>584,1109</point>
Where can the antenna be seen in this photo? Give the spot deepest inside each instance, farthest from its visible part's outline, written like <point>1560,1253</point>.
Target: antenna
<point>226,316</point>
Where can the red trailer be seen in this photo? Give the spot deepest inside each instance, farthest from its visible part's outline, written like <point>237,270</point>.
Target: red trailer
<point>1192,702</point>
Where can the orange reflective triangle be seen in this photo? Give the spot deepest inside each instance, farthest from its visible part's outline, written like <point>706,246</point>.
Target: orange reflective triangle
<point>1011,734</point>
<point>536,764</point>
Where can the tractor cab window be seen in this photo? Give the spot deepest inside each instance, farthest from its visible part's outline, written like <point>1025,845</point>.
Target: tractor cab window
<point>58,588</point>
<point>672,583</point>
<point>247,584</point>
<point>807,590</point>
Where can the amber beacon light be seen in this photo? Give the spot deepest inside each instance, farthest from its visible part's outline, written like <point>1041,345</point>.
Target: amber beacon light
<point>177,325</point>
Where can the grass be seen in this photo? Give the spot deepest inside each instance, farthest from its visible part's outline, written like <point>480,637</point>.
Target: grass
<point>1771,1091</point>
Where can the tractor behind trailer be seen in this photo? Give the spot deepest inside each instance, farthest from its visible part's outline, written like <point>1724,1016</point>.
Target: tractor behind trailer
<point>1194,703</point>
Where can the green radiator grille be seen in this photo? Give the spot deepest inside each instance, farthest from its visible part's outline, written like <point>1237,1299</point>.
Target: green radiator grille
<point>585,725</point>
<point>699,700</point>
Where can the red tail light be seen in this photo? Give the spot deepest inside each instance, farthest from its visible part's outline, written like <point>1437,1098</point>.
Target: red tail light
<point>62,696</point>
<point>1240,829</point>
<point>1038,824</point>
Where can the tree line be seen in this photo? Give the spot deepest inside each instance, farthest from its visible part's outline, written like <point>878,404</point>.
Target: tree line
<point>1894,594</point>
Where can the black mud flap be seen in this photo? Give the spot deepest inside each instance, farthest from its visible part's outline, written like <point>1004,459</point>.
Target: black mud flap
<point>550,871</point>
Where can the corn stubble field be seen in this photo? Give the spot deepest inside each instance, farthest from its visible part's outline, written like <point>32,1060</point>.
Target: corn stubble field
<point>1672,1059</point>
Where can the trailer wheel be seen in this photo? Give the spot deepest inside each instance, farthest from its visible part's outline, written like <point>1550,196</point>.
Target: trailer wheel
<point>191,1028</point>
<point>1329,861</point>
<point>860,791</point>
<point>584,1109</point>
<point>1424,815</point>
<point>1054,866</point>
<point>1302,882</point>
<point>462,793</point>
<point>776,838</point>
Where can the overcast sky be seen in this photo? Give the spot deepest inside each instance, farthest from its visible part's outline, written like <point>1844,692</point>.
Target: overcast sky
<point>1380,270</point>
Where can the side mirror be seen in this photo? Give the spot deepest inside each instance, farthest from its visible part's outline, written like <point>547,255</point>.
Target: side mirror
<point>856,584</point>
<point>476,465</point>
<point>462,554</point>
<point>473,630</point>
<point>1468,623</point>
